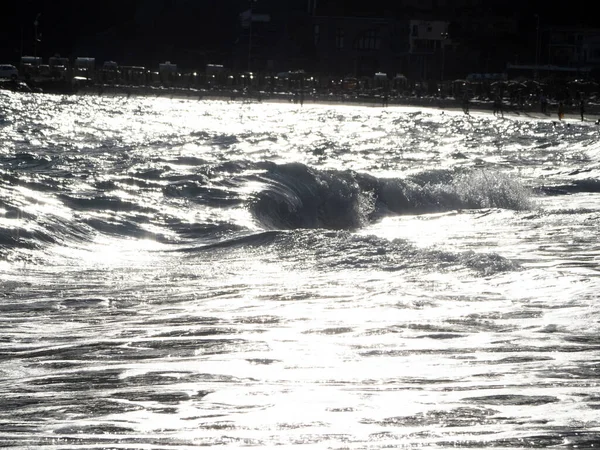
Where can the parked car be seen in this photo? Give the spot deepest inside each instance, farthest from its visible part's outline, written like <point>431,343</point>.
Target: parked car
<point>8,71</point>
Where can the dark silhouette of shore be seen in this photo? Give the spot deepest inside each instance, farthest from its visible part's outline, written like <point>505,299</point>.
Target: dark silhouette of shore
<point>479,97</point>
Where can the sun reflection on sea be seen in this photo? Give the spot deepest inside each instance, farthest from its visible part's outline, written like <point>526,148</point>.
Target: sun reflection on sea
<point>144,304</point>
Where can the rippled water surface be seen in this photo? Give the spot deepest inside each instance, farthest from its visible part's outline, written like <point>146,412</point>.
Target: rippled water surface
<point>178,273</point>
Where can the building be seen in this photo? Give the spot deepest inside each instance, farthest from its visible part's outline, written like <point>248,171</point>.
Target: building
<point>274,36</point>
<point>429,41</point>
<point>358,46</point>
<point>570,47</point>
<point>425,41</point>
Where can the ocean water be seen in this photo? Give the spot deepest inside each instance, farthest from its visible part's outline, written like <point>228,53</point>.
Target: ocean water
<point>184,273</point>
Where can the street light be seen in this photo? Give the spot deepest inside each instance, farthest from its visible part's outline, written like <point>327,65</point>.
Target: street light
<point>537,44</point>
<point>36,39</point>
<point>250,4</point>
<point>444,37</point>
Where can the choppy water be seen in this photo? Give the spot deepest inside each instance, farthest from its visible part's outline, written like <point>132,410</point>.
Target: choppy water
<point>178,273</point>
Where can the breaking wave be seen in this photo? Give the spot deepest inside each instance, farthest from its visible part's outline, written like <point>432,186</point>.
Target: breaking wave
<point>297,196</point>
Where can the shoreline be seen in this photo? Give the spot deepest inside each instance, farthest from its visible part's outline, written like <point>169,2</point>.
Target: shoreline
<point>529,110</point>
<point>572,114</point>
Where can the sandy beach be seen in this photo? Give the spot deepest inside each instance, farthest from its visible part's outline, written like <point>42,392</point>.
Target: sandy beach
<point>476,106</point>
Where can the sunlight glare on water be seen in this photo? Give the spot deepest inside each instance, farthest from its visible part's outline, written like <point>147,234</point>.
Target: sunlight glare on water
<point>179,272</point>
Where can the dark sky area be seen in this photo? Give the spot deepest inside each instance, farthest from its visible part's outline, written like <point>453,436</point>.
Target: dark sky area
<point>136,31</point>
<point>71,27</point>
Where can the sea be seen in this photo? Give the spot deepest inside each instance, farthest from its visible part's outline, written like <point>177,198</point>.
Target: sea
<point>180,273</point>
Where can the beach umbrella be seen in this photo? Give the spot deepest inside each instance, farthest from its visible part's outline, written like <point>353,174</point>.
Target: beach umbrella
<point>583,83</point>
<point>533,86</point>
<point>499,85</point>
<point>516,85</point>
<point>530,83</point>
<point>584,86</point>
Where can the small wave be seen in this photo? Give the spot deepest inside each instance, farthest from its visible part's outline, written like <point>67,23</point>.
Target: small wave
<point>225,140</point>
<point>343,250</point>
<point>185,160</point>
<point>514,400</point>
<point>98,203</point>
<point>124,227</point>
<point>27,161</point>
<point>457,417</point>
<point>251,240</point>
<point>198,193</point>
<point>591,185</point>
<point>483,263</point>
<point>150,174</point>
<point>566,212</point>
<point>296,196</point>
<point>31,220</point>
<point>202,231</point>
<point>36,234</point>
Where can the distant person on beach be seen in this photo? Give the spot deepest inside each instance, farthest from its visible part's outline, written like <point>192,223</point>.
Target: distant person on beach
<point>544,103</point>
<point>561,111</point>
<point>465,103</point>
<point>582,108</point>
<point>498,106</point>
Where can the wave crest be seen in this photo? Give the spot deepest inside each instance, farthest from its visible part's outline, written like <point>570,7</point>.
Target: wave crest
<point>296,196</point>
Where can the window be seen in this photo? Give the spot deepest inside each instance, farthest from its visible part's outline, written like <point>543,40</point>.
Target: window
<point>369,40</point>
<point>415,30</point>
<point>339,38</point>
